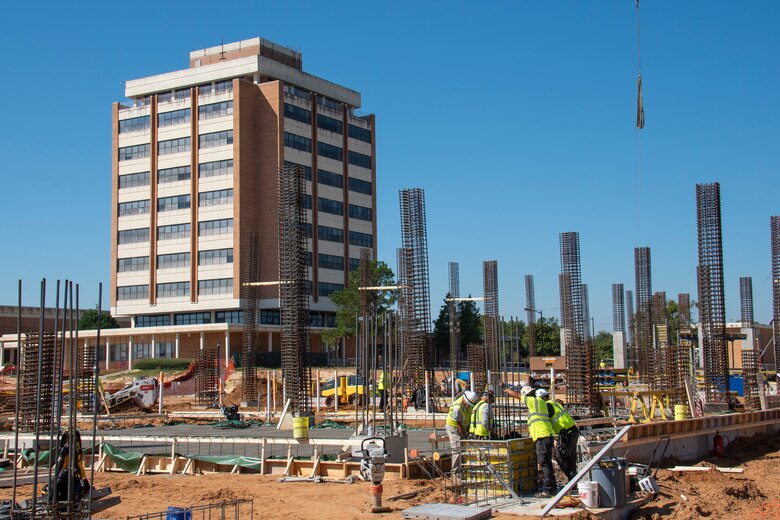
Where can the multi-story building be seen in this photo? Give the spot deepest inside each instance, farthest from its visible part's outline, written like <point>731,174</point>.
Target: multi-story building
<point>195,159</point>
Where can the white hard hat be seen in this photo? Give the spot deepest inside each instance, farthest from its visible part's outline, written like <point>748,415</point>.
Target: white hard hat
<point>526,390</point>
<point>542,393</point>
<point>470,397</point>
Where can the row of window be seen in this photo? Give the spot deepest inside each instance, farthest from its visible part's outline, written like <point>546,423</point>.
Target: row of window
<point>330,151</point>
<point>188,318</point>
<point>179,173</point>
<point>361,134</point>
<point>174,231</point>
<point>175,289</point>
<point>333,207</point>
<point>176,117</point>
<point>360,212</point>
<point>176,260</point>
<point>182,93</point>
<point>177,202</point>
<point>216,88</point>
<point>332,234</point>
<point>136,207</point>
<point>179,145</point>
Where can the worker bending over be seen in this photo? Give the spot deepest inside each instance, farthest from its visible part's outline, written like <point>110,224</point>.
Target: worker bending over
<point>482,417</point>
<point>457,425</point>
<point>541,432</point>
<point>563,424</point>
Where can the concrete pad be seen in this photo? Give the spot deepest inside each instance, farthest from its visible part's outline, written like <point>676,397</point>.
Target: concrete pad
<point>447,512</point>
<point>533,506</point>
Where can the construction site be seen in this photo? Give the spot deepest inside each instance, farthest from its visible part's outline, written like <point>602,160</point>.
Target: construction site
<point>680,420</point>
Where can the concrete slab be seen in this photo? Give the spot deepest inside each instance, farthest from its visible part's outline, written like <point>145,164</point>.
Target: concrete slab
<point>533,507</point>
<point>447,512</point>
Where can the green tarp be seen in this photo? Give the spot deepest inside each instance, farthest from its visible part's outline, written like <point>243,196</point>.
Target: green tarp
<point>130,461</point>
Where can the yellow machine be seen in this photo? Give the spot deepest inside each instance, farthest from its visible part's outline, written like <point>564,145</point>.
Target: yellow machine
<point>349,388</point>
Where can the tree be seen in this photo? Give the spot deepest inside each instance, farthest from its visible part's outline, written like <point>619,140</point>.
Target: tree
<point>470,328</point>
<point>548,337</point>
<point>604,345</point>
<point>89,320</point>
<point>347,300</point>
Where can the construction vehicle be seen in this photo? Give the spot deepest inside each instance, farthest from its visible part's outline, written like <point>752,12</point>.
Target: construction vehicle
<point>349,388</point>
<point>143,392</point>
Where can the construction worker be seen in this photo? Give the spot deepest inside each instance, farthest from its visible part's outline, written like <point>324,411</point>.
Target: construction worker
<point>482,417</point>
<point>565,452</point>
<point>457,424</point>
<point>541,431</point>
<point>382,387</point>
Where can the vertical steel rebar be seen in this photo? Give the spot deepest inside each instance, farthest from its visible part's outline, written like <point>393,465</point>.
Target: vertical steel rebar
<point>96,396</point>
<point>530,305</point>
<point>18,391</point>
<point>746,300</point>
<point>774,229</point>
<point>37,430</point>
<point>643,319</point>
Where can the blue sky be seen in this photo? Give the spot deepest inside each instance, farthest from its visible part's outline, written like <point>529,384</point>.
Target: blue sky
<point>516,117</point>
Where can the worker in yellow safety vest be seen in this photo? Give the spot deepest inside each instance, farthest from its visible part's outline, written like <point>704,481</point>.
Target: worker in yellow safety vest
<point>482,417</point>
<point>457,424</point>
<point>540,429</point>
<point>381,386</point>
<point>565,452</point>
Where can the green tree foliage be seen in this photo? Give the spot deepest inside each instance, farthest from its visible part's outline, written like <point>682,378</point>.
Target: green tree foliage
<point>603,345</point>
<point>348,300</point>
<point>470,328</point>
<point>89,320</point>
<point>548,337</point>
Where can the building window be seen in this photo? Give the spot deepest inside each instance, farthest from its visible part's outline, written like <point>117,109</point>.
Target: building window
<point>164,349</point>
<point>136,124</point>
<point>330,151</point>
<point>307,258</point>
<point>215,168</point>
<point>297,92</point>
<point>328,123</point>
<point>306,169</point>
<point>164,97</point>
<point>215,256</point>
<point>269,317</point>
<point>134,180</point>
<point>361,239</point>
<point>297,113</point>
<point>136,263</point>
<point>142,350</point>
<point>192,318</point>
<point>177,117</point>
<point>223,86</point>
<point>174,146</point>
<point>136,207</point>
<point>328,103</point>
<point>359,159</point>
<point>333,207</point>
<point>182,93</point>
<point>173,232</point>
<point>359,186</point>
<point>297,142</point>
<point>229,317</point>
<point>118,352</point>
<point>331,234</point>
<point>173,261</point>
<point>216,139</point>
<point>180,173</point>
<point>153,320</point>
<point>132,292</point>
<point>222,109</point>
<point>139,151</point>
<point>359,212</point>
<point>215,198</point>
<point>306,229</point>
<point>134,236</point>
<point>331,262</point>
<point>173,289</point>
<point>218,286</point>
<point>329,178</point>
<point>328,288</point>
<point>322,319</point>
<point>306,202</point>
<point>354,263</point>
<point>173,203</point>
<point>361,134</point>
<point>215,227</point>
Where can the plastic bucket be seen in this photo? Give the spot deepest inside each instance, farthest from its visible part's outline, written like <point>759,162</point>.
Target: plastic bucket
<point>300,427</point>
<point>178,513</point>
<point>589,494</point>
<point>680,412</point>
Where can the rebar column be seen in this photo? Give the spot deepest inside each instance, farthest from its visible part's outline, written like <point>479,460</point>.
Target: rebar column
<point>415,294</point>
<point>30,394</point>
<point>530,305</point>
<point>774,227</point>
<point>294,290</point>
<point>207,377</point>
<point>570,266</point>
<point>476,360</point>
<point>453,315</point>
<point>631,352</point>
<point>250,296</point>
<point>712,307</point>
<point>750,379</point>
<point>492,317</point>
<point>618,308</point>
<point>684,313</point>
<point>643,319</point>
<point>585,298</point>
<point>746,300</point>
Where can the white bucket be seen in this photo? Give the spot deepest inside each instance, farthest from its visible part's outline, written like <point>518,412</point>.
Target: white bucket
<point>589,494</point>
